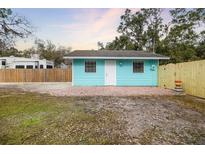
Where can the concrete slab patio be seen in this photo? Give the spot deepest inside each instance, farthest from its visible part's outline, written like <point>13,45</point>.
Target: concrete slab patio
<point>65,89</point>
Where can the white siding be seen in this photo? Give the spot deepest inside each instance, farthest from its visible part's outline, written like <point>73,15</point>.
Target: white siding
<point>11,62</point>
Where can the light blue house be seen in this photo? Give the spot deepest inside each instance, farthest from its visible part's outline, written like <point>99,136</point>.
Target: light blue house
<point>114,68</point>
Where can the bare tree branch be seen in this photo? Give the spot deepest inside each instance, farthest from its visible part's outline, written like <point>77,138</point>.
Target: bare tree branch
<point>13,26</point>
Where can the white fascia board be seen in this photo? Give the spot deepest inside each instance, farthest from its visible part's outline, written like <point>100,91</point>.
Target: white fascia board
<point>72,74</point>
<point>157,58</point>
<point>17,60</point>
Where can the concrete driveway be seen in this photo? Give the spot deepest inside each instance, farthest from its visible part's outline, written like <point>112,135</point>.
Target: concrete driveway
<point>66,89</point>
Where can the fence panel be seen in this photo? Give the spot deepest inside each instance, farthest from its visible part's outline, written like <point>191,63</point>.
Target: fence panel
<point>36,75</point>
<point>192,75</point>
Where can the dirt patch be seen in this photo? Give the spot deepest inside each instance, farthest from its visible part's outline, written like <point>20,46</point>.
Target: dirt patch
<point>32,118</point>
<point>157,119</point>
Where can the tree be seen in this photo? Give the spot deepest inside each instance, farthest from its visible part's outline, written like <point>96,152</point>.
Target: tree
<point>10,51</point>
<point>120,43</point>
<point>139,31</point>
<point>182,38</point>
<point>12,27</point>
<point>60,53</point>
<point>200,50</point>
<point>48,50</point>
<point>154,28</point>
<point>132,26</point>
<point>100,45</point>
<point>28,52</point>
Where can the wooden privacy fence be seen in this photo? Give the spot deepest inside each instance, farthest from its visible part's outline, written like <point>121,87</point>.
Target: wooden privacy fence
<point>192,75</point>
<point>36,75</point>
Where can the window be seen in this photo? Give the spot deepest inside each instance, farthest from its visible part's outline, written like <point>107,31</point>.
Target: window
<point>36,66</point>
<point>3,63</point>
<point>29,66</point>
<point>138,67</point>
<point>41,66</point>
<point>90,66</point>
<point>20,66</point>
<point>49,66</point>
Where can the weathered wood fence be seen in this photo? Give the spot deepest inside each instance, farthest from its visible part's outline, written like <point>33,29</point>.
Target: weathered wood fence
<point>192,74</point>
<point>36,75</point>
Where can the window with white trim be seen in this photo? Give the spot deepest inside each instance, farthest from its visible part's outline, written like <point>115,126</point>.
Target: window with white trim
<point>90,66</point>
<point>138,67</point>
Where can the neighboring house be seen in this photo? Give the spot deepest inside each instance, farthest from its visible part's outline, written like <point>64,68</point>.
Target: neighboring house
<point>24,63</point>
<point>109,67</point>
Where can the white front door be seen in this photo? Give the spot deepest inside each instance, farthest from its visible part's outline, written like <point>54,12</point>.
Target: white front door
<point>110,72</point>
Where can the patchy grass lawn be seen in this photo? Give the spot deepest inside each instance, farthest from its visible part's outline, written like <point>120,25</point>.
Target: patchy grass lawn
<point>32,118</point>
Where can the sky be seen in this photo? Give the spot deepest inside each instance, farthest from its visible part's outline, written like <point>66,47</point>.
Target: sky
<point>76,28</point>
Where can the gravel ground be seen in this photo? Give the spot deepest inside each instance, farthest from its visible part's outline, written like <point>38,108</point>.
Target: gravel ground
<point>65,89</point>
<point>156,119</point>
<point>150,115</point>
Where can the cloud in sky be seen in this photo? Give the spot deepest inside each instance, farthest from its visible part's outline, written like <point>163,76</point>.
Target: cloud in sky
<point>92,26</point>
<point>80,28</point>
<point>76,28</point>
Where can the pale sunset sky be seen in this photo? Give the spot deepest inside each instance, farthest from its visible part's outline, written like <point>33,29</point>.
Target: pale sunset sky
<point>75,28</point>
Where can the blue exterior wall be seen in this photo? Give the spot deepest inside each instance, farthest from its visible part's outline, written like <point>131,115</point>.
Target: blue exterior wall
<point>124,73</point>
<point>81,78</point>
<point>126,77</point>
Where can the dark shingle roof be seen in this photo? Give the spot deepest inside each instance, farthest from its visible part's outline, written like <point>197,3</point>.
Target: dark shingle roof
<point>113,54</point>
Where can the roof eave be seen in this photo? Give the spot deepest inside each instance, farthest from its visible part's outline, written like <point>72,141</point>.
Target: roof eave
<point>76,57</point>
